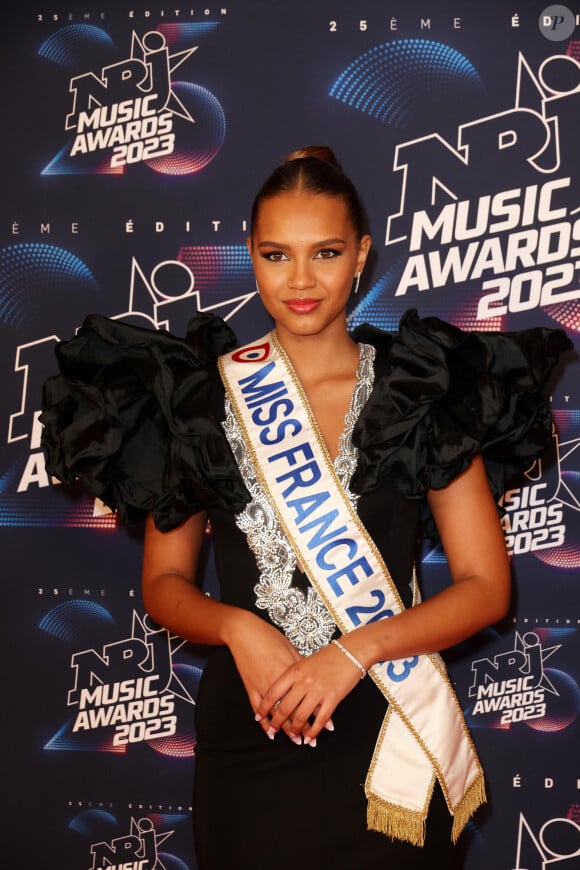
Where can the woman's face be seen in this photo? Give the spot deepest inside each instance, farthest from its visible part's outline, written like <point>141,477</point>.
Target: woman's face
<point>306,254</point>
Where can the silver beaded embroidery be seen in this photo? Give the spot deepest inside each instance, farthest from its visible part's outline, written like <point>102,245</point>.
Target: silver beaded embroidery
<point>303,617</point>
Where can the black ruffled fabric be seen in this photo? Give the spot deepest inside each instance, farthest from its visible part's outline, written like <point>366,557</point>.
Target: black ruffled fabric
<point>444,395</point>
<point>134,414</point>
<point>131,417</point>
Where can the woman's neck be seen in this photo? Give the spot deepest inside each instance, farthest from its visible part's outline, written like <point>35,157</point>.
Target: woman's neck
<point>322,356</point>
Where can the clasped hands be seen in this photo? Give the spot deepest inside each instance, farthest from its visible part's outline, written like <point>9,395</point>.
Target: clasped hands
<point>302,700</point>
<point>287,691</point>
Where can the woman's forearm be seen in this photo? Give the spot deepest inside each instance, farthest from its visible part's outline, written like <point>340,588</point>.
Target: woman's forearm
<point>176,604</point>
<point>449,617</point>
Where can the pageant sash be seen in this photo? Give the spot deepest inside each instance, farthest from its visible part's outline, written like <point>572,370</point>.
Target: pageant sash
<point>424,736</point>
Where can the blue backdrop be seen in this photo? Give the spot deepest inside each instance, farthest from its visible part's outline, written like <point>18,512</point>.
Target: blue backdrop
<point>134,140</point>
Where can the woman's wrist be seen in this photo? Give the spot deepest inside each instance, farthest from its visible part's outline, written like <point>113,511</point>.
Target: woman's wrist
<point>372,643</point>
<point>353,659</point>
<point>236,623</point>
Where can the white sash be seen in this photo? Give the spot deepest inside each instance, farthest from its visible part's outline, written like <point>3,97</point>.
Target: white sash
<point>424,735</point>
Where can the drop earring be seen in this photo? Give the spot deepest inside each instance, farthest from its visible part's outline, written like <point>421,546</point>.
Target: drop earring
<point>356,283</point>
<point>257,288</point>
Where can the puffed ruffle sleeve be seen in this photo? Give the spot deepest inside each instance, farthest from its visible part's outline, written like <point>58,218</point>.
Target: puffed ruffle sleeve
<point>442,395</point>
<point>133,416</point>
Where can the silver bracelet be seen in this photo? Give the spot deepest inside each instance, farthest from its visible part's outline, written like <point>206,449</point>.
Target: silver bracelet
<point>351,658</point>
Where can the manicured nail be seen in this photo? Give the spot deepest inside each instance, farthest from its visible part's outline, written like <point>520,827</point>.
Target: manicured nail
<point>296,738</point>
<point>329,725</point>
<point>257,717</point>
<point>271,732</point>
<point>310,741</point>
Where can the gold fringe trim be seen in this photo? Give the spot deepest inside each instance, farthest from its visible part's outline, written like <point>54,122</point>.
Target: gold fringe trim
<point>473,798</point>
<point>401,823</point>
<point>396,822</point>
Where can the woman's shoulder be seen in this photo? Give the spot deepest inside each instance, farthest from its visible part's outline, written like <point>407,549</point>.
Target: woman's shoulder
<point>206,337</point>
<point>442,395</point>
<point>438,340</point>
<point>134,415</point>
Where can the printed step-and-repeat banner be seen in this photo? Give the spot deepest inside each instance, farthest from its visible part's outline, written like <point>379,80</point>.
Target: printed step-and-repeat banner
<point>134,139</point>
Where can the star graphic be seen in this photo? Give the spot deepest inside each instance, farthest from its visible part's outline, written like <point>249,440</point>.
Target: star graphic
<point>545,652</point>
<point>137,829</point>
<point>173,104</point>
<point>141,632</point>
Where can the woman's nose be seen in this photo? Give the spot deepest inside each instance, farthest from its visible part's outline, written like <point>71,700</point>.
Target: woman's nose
<point>301,275</point>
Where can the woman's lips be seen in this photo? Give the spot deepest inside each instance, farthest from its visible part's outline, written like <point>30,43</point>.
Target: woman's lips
<point>302,306</point>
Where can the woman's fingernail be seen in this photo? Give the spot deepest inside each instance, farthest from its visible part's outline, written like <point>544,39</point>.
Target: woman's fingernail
<point>296,738</point>
<point>310,741</point>
<point>257,717</point>
<point>329,725</point>
<point>271,732</point>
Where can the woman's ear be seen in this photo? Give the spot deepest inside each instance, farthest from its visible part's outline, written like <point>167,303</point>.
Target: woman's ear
<point>363,252</point>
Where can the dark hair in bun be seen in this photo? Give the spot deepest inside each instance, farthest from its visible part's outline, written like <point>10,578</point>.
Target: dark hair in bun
<point>313,169</point>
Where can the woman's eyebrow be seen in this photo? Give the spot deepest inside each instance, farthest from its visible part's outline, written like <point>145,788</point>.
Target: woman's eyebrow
<point>320,244</point>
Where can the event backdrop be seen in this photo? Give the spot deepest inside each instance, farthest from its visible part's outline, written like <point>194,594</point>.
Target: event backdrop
<point>134,138</point>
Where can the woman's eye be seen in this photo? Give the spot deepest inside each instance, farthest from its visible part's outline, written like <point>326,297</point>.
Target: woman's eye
<point>275,256</point>
<point>327,253</point>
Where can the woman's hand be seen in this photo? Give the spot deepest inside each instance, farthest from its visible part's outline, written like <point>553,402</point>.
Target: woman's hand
<point>308,692</point>
<point>262,654</point>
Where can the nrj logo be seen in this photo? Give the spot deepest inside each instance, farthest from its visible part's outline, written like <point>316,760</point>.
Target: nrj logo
<point>135,111</point>
<point>137,850</point>
<point>512,229</point>
<point>515,686</point>
<point>535,519</point>
<point>128,686</point>
<point>125,692</point>
<point>534,515</point>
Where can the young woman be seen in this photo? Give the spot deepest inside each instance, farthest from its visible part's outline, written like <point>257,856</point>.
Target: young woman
<point>328,732</point>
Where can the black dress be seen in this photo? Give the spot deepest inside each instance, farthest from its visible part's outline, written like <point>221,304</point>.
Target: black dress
<point>136,416</point>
